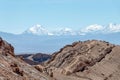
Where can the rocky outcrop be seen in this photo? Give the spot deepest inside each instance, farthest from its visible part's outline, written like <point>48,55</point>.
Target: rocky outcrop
<point>13,68</point>
<point>88,60</point>
<point>6,48</point>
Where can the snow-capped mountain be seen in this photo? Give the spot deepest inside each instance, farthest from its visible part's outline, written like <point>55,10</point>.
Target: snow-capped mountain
<point>38,30</point>
<point>48,44</point>
<point>113,28</point>
<point>65,31</point>
<point>92,29</point>
<point>95,28</point>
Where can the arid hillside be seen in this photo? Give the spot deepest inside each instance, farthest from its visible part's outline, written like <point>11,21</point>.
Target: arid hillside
<point>88,60</point>
<point>12,68</point>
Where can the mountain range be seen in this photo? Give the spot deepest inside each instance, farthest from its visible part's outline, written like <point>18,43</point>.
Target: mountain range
<point>38,39</point>
<point>95,28</point>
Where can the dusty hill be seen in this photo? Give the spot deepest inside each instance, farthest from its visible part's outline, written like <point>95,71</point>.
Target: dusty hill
<point>34,59</point>
<point>88,60</point>
<point>12,68</point>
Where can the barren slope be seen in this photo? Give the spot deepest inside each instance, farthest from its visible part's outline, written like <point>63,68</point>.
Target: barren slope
<point>12,68</point>
<point>88,60</point>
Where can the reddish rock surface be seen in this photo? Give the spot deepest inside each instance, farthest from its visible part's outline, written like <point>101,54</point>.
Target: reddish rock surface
<point>88,60</point>
<point>12,68</point>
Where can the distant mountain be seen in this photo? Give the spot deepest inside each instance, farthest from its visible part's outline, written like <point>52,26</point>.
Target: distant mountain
<point>37,30</point>
<point>95,28</point>
<point>37,39</point>
<point>36,58</point>
<point>65,31</point>
<point>6,34</point>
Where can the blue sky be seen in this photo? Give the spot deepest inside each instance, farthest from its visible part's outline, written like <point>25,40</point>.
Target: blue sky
<point>18,15</point>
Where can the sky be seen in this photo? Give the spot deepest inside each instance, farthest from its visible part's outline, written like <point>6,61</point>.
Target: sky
<point>18,15</point>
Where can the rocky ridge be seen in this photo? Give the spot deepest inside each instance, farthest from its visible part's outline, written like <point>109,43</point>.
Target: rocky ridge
<point>88,60</point>
<point>13,68</point>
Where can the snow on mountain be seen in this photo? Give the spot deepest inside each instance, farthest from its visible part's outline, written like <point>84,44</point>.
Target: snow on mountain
<point>48,44</point>
<point>113,27</point>
<point>38,30</point>
<point>95,28</point>
<point>92,28</point>
<point>66,31</point>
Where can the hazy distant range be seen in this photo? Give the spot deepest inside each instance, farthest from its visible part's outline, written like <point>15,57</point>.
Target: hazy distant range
<point>47,42</point>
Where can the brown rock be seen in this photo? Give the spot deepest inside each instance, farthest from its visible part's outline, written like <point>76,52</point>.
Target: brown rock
<point>13,68</point>
<point>88,60</point>
<point>6,48</point>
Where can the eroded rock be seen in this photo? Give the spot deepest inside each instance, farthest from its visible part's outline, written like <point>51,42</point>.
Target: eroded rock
<point>13,68</point>
<point>88,60</point>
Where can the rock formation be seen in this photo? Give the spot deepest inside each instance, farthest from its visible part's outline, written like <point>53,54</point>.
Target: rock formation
<point>13,68</point>
<point>88,60</point>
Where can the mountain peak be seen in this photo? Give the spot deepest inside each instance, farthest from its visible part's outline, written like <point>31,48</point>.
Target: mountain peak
<point>38,30</point>
<point>67,31</point>
<point>95,28</point>
<point>114,27</point>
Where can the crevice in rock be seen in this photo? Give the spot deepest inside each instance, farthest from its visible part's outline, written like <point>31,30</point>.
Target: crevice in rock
<point>16,69</point>
<point>94,61</point>
<point>84,77</point>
